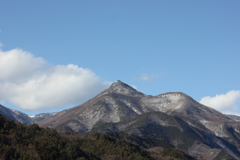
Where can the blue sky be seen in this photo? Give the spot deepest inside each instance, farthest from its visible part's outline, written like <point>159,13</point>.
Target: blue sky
<point>157,46</point>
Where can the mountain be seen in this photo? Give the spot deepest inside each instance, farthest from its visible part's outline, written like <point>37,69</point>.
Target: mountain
<point>15,115</point>
<point>22,117</point>
<point>41,116</point>
<point>234,117</point>
<point>122,102</point>
<point>117,103</point>
<point>171,119</point>
<point>174,117</point>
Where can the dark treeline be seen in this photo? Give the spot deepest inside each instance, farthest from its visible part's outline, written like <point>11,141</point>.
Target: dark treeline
<point>21,142</point>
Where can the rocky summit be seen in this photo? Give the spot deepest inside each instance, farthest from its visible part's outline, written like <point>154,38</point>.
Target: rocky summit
<point>174,117</point>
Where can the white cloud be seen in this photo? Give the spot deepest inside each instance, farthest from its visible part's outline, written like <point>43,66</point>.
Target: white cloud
<point>148,77</point>
<point>16,63</point>
<point>33,84</point>
<point>226,103</point>
<point>1,44</point>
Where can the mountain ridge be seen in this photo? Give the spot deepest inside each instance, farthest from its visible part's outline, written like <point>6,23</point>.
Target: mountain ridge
<point>15,115</point>
<point>122,96</point>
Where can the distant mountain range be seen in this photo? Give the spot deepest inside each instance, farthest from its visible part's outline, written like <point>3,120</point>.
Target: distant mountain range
<point>22,117</point>
<point>15,115</point>
<point>174,117</point>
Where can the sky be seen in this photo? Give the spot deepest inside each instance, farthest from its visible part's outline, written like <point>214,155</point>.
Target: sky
<point>58,54</point>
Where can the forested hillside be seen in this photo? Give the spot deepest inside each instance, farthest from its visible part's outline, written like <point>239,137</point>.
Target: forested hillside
<point>23,142</point>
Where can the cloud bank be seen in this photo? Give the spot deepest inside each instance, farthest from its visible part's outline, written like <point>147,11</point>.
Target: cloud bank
<point>227,103</point>
<point>31,83</point>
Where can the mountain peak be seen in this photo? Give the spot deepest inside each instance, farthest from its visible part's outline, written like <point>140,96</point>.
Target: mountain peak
<point>118,82</point>
<point>123,88</point>
<point>175,95</point>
